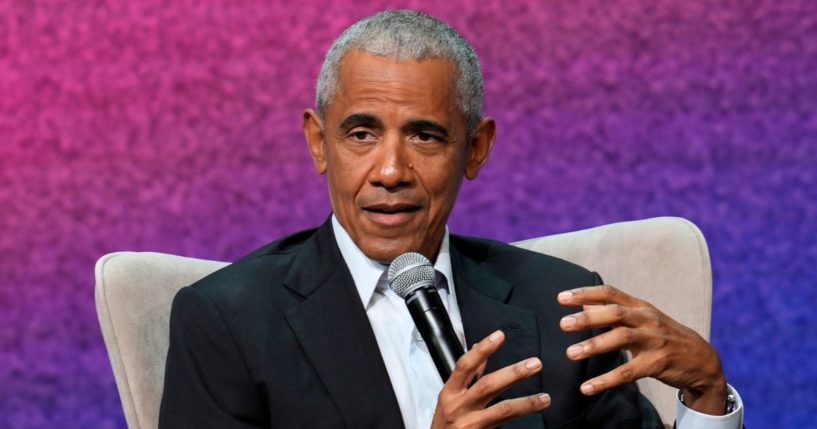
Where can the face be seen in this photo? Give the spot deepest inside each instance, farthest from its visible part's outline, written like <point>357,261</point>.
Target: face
<point>393,146</point>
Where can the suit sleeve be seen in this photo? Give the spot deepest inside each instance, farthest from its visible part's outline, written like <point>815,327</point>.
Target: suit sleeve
<point>624,406</point>
<point>207,383</point>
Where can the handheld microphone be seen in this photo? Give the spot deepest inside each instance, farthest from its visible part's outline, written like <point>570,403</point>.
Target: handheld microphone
<point>411,277</point>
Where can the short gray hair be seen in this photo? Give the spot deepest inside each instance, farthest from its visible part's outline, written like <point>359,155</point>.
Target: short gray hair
<point>407,35</point>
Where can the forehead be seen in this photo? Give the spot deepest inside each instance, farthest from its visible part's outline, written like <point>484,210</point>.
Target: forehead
<point>381,85</point>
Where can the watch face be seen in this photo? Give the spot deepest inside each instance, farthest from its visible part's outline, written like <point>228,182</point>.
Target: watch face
<point>731,403</point>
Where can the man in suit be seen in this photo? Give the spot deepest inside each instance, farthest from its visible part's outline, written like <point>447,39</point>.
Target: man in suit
<point>304,332</point>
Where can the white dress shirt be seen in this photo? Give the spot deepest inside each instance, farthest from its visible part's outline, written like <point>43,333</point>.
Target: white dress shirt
<point>414,377</point>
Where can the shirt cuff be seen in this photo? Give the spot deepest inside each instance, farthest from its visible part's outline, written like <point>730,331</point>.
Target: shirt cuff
<point>691,419</point>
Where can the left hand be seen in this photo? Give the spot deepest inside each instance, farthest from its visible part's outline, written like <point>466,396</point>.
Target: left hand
<point>661,347</point>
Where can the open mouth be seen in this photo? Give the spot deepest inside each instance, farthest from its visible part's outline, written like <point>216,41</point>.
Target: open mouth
<point>392,208</point>
<point>391,214</point>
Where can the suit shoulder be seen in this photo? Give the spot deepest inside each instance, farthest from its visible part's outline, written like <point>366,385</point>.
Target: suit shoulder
<point>504,258</point>
<point>284,245</point>
<point>257,270</point>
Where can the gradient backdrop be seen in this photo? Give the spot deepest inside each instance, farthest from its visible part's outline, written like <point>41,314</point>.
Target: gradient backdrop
<point>174,127</point>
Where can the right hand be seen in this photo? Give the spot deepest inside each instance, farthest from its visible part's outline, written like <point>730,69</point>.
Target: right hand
<point>462,405</point>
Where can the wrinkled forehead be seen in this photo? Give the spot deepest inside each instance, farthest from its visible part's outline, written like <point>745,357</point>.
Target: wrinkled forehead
<point>367,79</point>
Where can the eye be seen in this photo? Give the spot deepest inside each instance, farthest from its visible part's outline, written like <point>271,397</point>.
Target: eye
<point>426,137</point>
<point>361,135</point>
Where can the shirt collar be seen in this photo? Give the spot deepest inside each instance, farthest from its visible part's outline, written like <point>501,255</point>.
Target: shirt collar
<point>367,273</point>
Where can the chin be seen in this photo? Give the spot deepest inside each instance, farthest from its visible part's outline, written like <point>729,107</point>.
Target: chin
<point>386,253</point>
<point>384,256</point>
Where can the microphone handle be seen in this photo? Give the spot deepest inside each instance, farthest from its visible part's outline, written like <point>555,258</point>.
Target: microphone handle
<point>432,321</point>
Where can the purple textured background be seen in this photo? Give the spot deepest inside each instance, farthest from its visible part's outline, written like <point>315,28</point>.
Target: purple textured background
<point>174,127</point>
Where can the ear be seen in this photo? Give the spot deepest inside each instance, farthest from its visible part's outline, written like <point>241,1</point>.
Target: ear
<point>313,132</point>
<point>480,147</point>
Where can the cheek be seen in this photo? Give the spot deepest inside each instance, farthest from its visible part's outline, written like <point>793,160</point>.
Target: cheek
<point>444,184</point>
<point>341,188</point>
<point>346,177</point>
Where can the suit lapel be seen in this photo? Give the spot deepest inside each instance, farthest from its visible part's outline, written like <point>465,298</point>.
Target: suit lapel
<point>335,333</point>
<point>482,298</point>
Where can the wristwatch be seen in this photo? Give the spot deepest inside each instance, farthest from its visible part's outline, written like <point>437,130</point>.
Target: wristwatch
<point>731,401</point>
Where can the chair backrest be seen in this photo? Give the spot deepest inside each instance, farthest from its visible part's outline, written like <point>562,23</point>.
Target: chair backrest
<point>134,291</point>
<point>662,260</point>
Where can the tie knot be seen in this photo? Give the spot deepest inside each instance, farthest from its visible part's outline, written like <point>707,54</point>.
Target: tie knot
<point>440,282</point>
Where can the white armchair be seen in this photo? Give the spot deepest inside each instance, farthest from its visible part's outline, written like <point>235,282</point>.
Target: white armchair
<point>662,260</point>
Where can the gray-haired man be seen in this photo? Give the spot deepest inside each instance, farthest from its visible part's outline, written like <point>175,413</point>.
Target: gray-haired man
<point>304,332</point>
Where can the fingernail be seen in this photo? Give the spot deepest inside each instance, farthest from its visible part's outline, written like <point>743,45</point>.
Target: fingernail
<point>495,336</point>
<point>532,363</point>
<point>568,322</point>
<point>565,296</point>
<point>575,351</point>
<point>544,398</point>
<point>587,388</point>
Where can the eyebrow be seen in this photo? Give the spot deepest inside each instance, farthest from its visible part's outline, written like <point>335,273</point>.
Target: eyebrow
<point>415,125</point>
<point>358,119</point>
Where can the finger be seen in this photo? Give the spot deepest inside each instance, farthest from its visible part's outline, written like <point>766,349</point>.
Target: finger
<point>469,364</point>
<point>490,385</point>
<point>595,295</point>
<point>599,317</point>
<point>625,373</point>
<point>617,339</point>
<point>587,307</point>
<point>509,409</point>
<point>481,370</point>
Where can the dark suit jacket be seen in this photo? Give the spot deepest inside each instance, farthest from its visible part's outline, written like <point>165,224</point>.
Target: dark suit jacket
<point>280,339</point>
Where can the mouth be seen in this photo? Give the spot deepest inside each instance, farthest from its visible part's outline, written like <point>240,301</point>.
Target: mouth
<point>392,208</point>
<point>391,214</point>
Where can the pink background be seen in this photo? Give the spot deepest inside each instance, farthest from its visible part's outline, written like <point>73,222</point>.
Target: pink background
<point>174,127</point>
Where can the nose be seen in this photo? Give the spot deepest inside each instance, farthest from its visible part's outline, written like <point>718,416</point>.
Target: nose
<point>392,168</point>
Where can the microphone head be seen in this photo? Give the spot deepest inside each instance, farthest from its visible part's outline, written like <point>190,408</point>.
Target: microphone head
<point>409,272</point>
